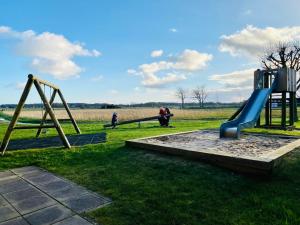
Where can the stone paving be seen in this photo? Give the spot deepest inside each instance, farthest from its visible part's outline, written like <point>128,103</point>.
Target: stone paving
<point>33,196</point>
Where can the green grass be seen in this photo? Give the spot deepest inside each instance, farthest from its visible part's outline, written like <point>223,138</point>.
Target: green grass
<point>155,189</point>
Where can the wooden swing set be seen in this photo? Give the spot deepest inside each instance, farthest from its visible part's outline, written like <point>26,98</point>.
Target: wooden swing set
<point>48,110</point>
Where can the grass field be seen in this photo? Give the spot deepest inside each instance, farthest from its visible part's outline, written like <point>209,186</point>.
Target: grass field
<point>130,113</point>
<point>155,189</point>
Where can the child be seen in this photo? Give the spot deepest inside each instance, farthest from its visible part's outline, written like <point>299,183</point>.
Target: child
<point>114,120</point>
<point>162,116</point>
<point>168,112</point>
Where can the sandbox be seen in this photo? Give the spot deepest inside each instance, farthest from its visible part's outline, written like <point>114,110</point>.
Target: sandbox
<point>252,153</point>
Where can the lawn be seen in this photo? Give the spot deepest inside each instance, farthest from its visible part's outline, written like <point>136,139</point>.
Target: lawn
<point>148,188</point>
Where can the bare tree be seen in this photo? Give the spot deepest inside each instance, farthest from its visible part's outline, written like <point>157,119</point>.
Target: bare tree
<point>283,54</point>
<point>182,95</point>
<point>200,94</point>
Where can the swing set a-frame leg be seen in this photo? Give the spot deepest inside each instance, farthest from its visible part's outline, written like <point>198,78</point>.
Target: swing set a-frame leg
<point>16,115</point>
<point>52,115</point>
<point>69,112</point>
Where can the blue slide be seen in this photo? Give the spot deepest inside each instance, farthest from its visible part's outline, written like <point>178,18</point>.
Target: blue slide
<point>249,115</point>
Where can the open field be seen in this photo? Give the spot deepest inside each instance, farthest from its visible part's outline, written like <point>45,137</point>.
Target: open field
<point>131,113</point>
<point>156,189</point>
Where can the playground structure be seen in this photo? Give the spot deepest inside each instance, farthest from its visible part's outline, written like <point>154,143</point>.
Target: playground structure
<point>136,121</point>
<point>48,111</point>
<point>256,154</point>
<point>270,86</point>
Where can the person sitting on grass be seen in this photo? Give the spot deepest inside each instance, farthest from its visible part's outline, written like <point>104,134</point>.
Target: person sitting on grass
<point>114,120</point>
<point>162,116</point>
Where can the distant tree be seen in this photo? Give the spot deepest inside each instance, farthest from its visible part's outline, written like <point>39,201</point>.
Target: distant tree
<point>281,55</point>
<point>200,94</point>
<point>182,95</point>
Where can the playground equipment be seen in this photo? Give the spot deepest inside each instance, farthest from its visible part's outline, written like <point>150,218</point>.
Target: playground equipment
<point>270,86</point>
<point>48,110</point>
<point>136,120</point>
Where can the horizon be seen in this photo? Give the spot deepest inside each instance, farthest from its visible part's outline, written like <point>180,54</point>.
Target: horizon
<point>139,51</point>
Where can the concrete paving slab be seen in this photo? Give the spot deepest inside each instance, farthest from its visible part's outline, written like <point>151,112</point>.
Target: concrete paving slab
<point>6,174</point>
<point>48,215</point>
<point>69,193</point>
<point>40,178</point>
<point>7,212</point>
<point>9,180</point>
<point>74,220</point>
<point>14,186</point>
<point>25,170</point>
<point>33,203</point>
<point>3,201</point>
<point>21,195</point>
<point>85,203</point>
<point>36,194</point>
<point>55,186</point>
<point>17,221</point>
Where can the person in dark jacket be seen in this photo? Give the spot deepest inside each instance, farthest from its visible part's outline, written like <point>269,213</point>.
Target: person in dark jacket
<point>168,112</point>
<point>114,120</point>
<point>162,116</point>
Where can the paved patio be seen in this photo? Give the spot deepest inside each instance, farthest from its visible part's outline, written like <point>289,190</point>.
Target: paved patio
<point>33,196</point>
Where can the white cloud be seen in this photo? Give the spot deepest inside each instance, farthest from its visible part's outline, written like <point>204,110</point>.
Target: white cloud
<point>158,74</point>
<point>51,53</point>
<point>235,86</point>
<point>97,78</point>
<point>252,41</point>
<point>132,72</point>
<point>157,53</point>
<point>173,30</point>
<point>242,78</point>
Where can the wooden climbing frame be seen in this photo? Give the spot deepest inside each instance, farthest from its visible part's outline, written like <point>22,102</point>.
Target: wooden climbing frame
<point>32,80</point>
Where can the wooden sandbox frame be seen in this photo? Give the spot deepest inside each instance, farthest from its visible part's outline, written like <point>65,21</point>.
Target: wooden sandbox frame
<point>243,164</point>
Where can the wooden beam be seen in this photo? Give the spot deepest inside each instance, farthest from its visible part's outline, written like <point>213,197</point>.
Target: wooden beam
<point>16,115</point>
<point>46,114</point>
<point>69,112</point>
<point>43,82</point>
<point>52,115</point>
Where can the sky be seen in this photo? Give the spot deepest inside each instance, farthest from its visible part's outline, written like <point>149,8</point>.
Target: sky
<point>136,51</point>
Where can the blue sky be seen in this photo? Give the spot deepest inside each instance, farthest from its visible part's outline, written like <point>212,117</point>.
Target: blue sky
<point>100,51</point>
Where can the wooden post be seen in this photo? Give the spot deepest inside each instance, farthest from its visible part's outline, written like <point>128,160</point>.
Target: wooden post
<point>46,113</point>
<point>52,115</point>
<point>267,108</point>
<point>292,108</point>
<point>16,115</point>
<point>283,111</point>
<point>69,112</point>
<point>270,113</point>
